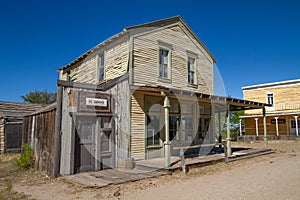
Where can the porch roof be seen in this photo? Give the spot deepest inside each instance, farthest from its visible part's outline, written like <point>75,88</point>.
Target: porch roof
<point>270,115</point>
<point>220,102</point>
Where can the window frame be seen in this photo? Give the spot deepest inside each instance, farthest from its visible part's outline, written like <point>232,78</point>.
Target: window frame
<point>163,46</point>
<point>68,76</point>
<point>100,66</point>
<point>267,96</point>
<point>191,55</point>
<point>159,114</point>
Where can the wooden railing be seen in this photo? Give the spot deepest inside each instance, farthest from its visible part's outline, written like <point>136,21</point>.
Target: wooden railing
<point>286,106</point>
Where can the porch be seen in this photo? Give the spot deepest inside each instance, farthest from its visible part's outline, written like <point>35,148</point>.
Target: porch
<point>156,167</point>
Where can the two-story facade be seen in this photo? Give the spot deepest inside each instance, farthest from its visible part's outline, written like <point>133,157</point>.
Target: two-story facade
<point>282,116</point>
<point>162,56</point>
<point>138,95</point>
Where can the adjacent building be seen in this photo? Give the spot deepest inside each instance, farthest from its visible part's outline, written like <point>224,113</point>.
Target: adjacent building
<point>11,121</point>
<point>282,115</point>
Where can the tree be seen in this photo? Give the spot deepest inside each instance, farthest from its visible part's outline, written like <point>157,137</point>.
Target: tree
<point>234,124</point>
<point>39,97</point>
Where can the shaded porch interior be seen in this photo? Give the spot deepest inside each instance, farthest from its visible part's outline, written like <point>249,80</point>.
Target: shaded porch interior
<point>176,118</point>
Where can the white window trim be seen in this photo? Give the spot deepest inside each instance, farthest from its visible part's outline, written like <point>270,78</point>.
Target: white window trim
<point>267,99</point>
<point>165,46</point>
<point>98,66</point>
<point>271,108</point>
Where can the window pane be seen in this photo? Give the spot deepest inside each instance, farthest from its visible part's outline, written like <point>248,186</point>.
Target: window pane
<point>101,74</point>
<point>160,70</point>
<point>163,63</point>
<point>105,141</point>
<point>186,108</point>
<point>153,130</point>
<point>191,70</point>
<point>165,69</point>
<point>270,99</point>
<point>173,126</point>
<point>101,67</point>
<point>102,60</point>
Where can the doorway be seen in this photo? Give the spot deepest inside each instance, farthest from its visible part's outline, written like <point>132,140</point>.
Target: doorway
<point>13,136</point>
<point>94,143</point>
<point>293,127</point>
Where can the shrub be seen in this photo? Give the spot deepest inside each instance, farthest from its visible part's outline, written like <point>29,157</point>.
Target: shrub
<point>26,159</point>
<point>233,134</point>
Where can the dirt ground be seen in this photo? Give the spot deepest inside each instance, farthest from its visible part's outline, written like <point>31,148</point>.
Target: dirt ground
<point>273,176</point>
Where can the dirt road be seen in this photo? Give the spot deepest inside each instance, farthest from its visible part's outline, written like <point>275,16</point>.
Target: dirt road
<point>270,177</point>
<point>274,176</point>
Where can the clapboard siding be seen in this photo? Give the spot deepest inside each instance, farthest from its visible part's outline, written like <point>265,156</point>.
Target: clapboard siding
<point>146,60</point>
<point>115,61</point>
<point>86,72</point>
<point>137,126</point>
<point>1,137</point>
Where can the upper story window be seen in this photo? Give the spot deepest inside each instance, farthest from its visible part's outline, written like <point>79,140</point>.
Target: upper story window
<point>100,63</point>
<point>164,63</point>
<point>270,98</point>
<point>68,76</point>
<point>191,64</point>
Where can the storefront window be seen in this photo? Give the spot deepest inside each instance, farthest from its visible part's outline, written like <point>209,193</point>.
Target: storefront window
<point>203,128</point>
<point>153,130</point>
<point>154,119</point>
<point>174,123</point>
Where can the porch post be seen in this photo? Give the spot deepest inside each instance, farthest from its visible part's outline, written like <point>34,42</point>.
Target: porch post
<point>167,143</point>
<point>228,131</point>
<point>240,127</point>
<point>296,122</point>
<point>219,129</point>
<point>256,126</point>
<point>276,120</point>
<point>265,128</point>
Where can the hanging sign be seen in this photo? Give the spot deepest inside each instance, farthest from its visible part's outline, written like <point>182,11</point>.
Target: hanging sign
<point>280,121</point>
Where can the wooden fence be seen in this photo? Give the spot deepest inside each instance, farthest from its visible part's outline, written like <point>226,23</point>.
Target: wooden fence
<point>38,131</point>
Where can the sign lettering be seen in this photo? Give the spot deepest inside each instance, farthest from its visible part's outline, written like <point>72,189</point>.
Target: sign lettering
<point>96,102</point>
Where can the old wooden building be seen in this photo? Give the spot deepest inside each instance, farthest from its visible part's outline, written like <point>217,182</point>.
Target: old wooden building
<point>11,120</point>
<point>282,115</point>
<point>138,95</point>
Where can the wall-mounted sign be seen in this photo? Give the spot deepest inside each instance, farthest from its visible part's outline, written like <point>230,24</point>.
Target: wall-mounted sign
<point>92,101</point>
<point>96,102</point>
<point>279,121</point>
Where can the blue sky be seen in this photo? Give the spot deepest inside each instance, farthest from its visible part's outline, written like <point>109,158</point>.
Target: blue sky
<point>254,41</point>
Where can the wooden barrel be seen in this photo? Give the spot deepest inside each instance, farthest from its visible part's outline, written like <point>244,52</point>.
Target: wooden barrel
<point>125,163</point>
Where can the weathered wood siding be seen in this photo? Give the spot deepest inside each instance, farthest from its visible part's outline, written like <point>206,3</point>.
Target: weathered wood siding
<point>116,58</point>
<point>146,60</point>
<point>137,126</point>
<point>115,61</point>
<point>43,144</point>
<point>121,98</point>
<point>1,136</point>
<point>286,99</point>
